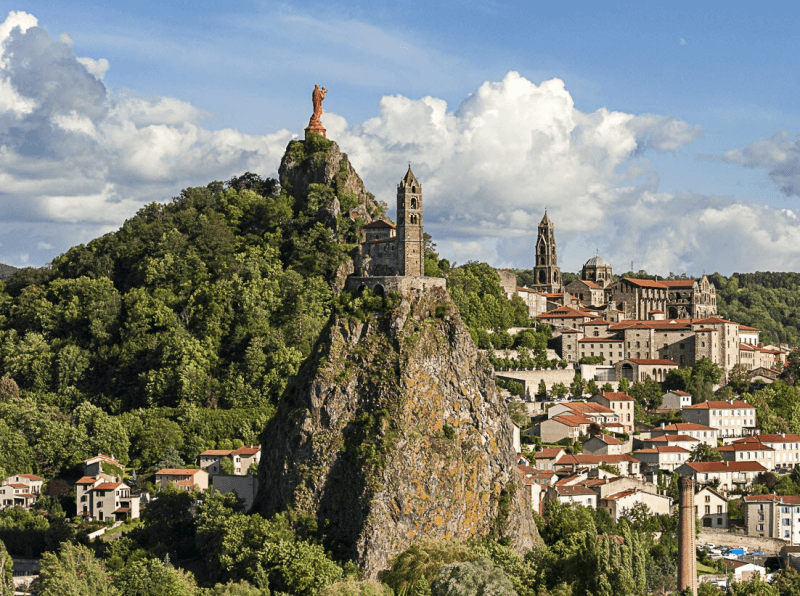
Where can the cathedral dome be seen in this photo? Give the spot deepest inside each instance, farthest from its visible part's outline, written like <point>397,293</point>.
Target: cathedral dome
<point>597,262</point>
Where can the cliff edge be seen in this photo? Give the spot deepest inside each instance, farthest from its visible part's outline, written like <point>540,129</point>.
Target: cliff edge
<point>392,431</point>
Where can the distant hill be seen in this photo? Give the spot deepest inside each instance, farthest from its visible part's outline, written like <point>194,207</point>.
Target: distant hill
<point>7,271</point>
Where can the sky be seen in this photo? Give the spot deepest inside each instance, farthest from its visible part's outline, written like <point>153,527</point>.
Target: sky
<point>661,137</point>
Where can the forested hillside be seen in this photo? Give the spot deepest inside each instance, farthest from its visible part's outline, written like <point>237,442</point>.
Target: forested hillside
<point>767,300</point>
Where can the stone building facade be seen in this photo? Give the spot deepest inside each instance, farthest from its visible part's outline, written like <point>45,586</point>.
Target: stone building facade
<point>690,298</point>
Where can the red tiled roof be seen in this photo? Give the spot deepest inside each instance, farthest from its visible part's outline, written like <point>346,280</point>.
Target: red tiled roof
<point>588,407</point>
<point>720,405</point>
<point>571,419</point>
<point>746,328</point>
<point>713,321</point>
<point>18,485</point>
<point>596,459</point>
<point>788,499</point>
<point>645,283</point>
<point>672,324</point>
<point>590,323</point>
<point>31,476</point>
<point>655,361</point>
<point>663,449</point>
<point>656,311</point>
<point>87,480</point>
<point>548,453</point>
<point>770,438</point>
<point>671,439</point>
<point>726,466</point>
<point>176,472</point>
<point>679,392</point>
<point>678,283</point>
<point>379,223</point>
<point>223,452</point>
<point>573,491</point>
<point>617,396</point>
<point>608,439</point>
<point>745,447</point>
<point>102,457</point>
<point>247,451</point>
<point>108,486</point>
<point>748,348</point>
<point>679,426</point>
<point>123,510</point>
<point>620,495</point>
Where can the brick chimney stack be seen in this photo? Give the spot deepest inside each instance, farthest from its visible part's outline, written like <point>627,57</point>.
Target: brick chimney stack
<point>687,563</point>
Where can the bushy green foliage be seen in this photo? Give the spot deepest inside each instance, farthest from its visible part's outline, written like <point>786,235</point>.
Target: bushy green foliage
<point>353,587</point>
<point>472,578</point>
<point>213,299</point>
<point>475,288</point>
<point>6,572</point>
<point>74,570</point>
<point>148,577</point>
<point>422,561</point>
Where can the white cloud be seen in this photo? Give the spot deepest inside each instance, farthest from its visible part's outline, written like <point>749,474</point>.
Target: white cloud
<point>44,246</point>
<point>683,42</point>
<point>779,155</point>
<point>72,152</point>
<point>76,160</point>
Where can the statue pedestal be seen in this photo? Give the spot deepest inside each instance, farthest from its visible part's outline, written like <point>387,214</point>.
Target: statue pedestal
<point>316,127</point>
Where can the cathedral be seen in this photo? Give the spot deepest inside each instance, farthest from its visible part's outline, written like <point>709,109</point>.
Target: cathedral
<point>546,271</point>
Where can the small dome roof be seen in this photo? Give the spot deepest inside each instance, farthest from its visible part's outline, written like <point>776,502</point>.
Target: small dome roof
<point>597,262</point>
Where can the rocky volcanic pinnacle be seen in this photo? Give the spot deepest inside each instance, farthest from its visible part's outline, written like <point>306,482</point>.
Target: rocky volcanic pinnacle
<point>392,431</point>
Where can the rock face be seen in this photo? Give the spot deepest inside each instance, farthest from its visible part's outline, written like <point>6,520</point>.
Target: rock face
<point>322,162</point>
<point>394,431</point>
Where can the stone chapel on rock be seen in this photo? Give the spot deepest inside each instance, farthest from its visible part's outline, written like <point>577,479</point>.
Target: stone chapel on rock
<point>392,257</point>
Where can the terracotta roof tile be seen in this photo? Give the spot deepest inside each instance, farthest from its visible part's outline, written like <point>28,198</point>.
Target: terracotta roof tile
<point>720,405</point>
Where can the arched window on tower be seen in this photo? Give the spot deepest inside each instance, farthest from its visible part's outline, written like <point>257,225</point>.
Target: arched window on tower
<point>413,203</point>
<point>413,188</point>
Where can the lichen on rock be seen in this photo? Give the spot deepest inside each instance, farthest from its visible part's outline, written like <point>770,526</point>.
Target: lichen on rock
<point>392,431</point>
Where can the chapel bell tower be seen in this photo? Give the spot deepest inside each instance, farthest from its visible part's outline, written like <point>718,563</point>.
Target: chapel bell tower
<point>410,244</point>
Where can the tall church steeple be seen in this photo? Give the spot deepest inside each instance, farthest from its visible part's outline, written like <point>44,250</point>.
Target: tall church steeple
<point>546,270</point>
<point>410,243</point>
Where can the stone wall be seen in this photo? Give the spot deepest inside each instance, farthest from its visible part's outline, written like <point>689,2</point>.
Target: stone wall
<point>508,281</point>
<point>245,487</point>
<point>531,378</point>
<point>388,284</point>
<point>770,546</point>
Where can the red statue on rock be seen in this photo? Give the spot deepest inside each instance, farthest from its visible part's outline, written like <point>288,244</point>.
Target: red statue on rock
<point>315,124</point>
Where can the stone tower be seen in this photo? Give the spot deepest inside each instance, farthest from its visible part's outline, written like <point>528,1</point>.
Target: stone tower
<point>410,244</point>
<point>546,270</point>
<point>687,563</point>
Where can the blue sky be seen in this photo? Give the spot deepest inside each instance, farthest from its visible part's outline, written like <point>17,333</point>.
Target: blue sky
<point>663,135</point>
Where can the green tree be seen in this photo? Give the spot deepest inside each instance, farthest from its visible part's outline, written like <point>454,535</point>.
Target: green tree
<point>6,572</point>
<point>624,385</point>
<point>151,577</point>
<point>353,587</point>
<point>226,466</point>
<point>423,560</point>
<point>541,393</point>
<point>170,460</point>
<point>479,577</point>
<point>577,387</point>
<point>73,571</point>
<point>240,588</point>
<point>703,452</point>
<point>559,390</point>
